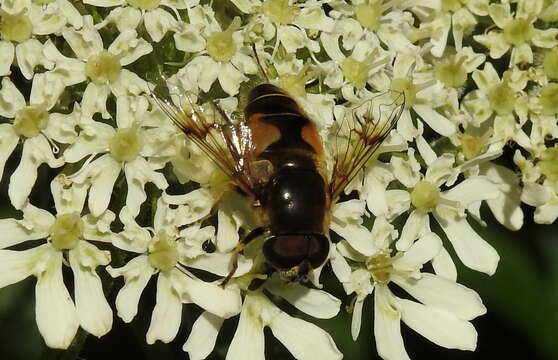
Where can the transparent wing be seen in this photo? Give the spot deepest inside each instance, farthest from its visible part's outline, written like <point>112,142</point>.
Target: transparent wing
<point>360,134</point>
<point>229,145</point>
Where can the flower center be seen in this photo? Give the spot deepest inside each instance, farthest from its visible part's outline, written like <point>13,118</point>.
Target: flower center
<point>103,67</point>
<point>518,31</point>
<point>369,14</point>
<point>66,231</point>
<point>279,11</point>
<point>451,5</point>
<point>502,99</point>
<point>145,4</point>
<point>43,2</point>
<point>16,27</point>
<point>549,99</point>
<point>425,196</point>
<point>550,64</point>
<point>380,266</point>
<point>471,146</point>
<point>163,254</point>
<point>549,163</point>
<point>126,144</point>
<point>452,72</point>
<point>220,45</point>
<point>355,71</point>
<point>30,120</point>
<point>406,87</point>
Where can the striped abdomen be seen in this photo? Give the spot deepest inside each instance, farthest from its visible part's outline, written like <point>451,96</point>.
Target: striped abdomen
<point>294,198</point>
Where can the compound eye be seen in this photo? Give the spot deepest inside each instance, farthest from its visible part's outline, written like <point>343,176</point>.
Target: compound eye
<point>318,249</point>
<point>286,251</point>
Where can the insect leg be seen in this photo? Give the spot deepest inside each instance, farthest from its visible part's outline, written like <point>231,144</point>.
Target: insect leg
<point>238,248</point>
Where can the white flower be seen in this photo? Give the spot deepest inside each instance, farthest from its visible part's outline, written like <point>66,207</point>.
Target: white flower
<point>444,308</point>
<point>161,252</point>
<point>517,32</point>
<point>303,339</point>
<point>36,127</point>
<point>102,67</point>
<point>58,317</point>
<point>221,54</point>
<point>23,19</point>
<point>448,207</point>
<point>123,149</point>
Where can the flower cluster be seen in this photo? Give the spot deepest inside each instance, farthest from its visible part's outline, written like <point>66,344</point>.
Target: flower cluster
<point>479,79</point>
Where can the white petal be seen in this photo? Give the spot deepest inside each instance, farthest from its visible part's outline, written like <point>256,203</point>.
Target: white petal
<point>472,250</point>
<point>36,151</point>
<point>417,224</point>
<point>248,341</point>
<point>94,100</point>
<point>137,273</point>
<point>387,327</point>
<point>29,55</point>
<point>46,90</point>
<point>422,251</point>
<point>230,79</point>
<point>55,312</point>
<point>227,231</point>
<point>202,339</point>
<point>167,313</point>
<point>93,310</point>
<point>443,265</point>
<point>535,194</point>
<point>67,199</point>
<point>472,190</point>
<point>209,296</point>
<point>18,265</point>
<point>7,51</point>
<point>356,319</point>
<point>11,100</point>
<point>219,264</point>
<point>8,142</point>
<point>506,207</point>
<point>303,339</point>
<point>441,293</point>
<point>316,303</point>
<point>138,173</point>
<point>128,47</point>
<point>339,265</point>
<point>438,326</point>
<point>157,22</point>
<point>104,173</point>
<point>435,120</point>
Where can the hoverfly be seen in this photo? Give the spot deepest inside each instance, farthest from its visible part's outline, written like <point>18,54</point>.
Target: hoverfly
<point>276,158</point>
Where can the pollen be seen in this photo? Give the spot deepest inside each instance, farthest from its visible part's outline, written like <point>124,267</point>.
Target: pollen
<point>66,231</point>
<point>502,99</point>
<point>452,72</point>
<point>16,27</point>
<point>380,266</point>
<point>471,146</point>
<point>145,4</point>
<point>425,195</point>
<point>220,45</point>
<point>369,14</point>
<point>549,99</point>
<point>103,68</point>
<point>519,31</point>
<point>163,254</point>
<point>550,64</point>
<point>406,87</point>
<point>30,121</point>
<point>451,5</point>
<point>126,144</point>
<point>279,11</point>
<point>355,71</point>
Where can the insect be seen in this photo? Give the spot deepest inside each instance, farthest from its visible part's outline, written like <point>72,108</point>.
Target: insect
<point>276,158</point>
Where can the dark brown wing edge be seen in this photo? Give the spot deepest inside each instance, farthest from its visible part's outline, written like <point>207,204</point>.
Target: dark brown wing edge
<point>228,145</point>
<point>366,134</point>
